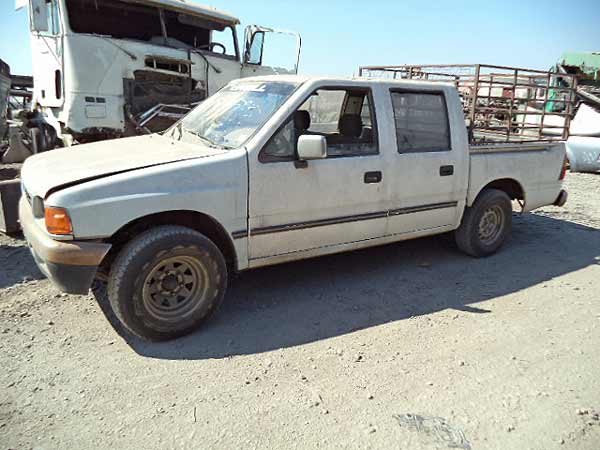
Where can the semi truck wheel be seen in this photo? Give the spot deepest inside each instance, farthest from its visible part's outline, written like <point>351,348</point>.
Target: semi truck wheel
<point>167,281</point>
<point>486,225</point>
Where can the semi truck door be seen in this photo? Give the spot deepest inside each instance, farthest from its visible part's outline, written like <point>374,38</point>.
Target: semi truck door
<point>46,47</point>
<point>270,52</point>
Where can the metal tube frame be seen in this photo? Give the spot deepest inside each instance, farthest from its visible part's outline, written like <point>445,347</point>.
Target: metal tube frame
<point>504,117</point>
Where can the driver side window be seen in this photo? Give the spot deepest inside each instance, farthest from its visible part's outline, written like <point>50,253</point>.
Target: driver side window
<point>222,42</point>
<point>345,117</point>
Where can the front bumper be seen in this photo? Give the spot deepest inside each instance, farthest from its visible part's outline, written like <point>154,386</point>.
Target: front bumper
<point>70,265</point>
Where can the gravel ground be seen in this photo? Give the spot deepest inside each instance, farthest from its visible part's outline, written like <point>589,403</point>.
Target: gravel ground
<point>411,345</point>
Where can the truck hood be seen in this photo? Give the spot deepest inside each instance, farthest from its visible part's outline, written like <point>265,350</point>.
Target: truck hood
<point>49,171</point>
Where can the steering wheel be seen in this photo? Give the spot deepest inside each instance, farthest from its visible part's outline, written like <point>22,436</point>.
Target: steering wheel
<point>212,46</point>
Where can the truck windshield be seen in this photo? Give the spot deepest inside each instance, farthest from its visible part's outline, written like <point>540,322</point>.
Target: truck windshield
<point>231,116</point>
<point>136,20</point>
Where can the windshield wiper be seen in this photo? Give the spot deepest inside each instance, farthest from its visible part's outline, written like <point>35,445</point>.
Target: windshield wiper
<point>206,140</point>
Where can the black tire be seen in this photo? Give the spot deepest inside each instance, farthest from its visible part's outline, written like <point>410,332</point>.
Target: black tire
<point>478,235</point>
<point>167,281</point>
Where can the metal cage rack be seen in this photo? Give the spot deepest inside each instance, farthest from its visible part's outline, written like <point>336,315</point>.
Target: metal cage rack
<point>501,104</point>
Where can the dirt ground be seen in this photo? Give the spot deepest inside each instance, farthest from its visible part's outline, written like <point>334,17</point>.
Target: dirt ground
<point>408,346</point>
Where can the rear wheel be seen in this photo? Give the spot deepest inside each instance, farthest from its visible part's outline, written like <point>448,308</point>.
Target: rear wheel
<point>166,282</point>
<point>486,225</point>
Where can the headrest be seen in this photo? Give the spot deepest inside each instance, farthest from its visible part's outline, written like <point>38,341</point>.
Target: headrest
<point>366,134</point>
<point>302,120</point>
<point>350,125</point>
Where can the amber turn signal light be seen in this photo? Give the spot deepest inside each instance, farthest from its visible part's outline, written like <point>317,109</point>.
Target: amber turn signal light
<point>57,221</point>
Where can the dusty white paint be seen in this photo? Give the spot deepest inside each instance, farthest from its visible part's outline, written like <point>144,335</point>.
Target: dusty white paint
<point>536,170</point>
<point>241,193</point>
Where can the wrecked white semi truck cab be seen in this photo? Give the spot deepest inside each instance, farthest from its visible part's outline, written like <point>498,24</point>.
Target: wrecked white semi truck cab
<point>269,170</point>
<point>111,68</point>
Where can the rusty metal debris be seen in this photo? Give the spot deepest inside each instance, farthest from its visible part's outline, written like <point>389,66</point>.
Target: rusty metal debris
<point>4,89</point>
<point>586,67</point>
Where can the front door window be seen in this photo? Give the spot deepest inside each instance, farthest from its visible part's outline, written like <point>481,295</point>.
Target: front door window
<point>344,116</point>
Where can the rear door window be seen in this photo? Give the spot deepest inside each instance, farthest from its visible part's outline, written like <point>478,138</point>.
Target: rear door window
<point>421,120</point>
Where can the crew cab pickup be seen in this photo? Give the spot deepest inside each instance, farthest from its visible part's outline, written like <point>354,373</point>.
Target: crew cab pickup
<point>269,170</point>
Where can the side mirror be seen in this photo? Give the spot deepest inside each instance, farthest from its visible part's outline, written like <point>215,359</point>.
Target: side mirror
<point>255,41</point>
<point>312,147</point>
<point>38,15</point>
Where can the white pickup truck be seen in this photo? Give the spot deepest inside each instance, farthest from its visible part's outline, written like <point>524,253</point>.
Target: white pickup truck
<point>268,170</point>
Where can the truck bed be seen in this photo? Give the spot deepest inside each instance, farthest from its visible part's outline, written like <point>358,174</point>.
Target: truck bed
<point>527,164</point>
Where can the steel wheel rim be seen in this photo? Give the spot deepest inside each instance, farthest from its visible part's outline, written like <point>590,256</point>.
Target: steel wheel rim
<point>175,288</point>
<point>491,224</point>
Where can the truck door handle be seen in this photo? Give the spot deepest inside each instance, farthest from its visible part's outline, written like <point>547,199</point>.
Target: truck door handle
<point>446,170</point>
<point>373,177</point>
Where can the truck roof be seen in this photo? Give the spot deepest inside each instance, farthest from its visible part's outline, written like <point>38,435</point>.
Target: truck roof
<point>184,6</point>
<point>193,8</point>
<point>339,79</point>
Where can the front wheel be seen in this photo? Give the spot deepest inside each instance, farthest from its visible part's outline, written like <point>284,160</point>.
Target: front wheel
<point>166,282</point>
<point>486,225</point>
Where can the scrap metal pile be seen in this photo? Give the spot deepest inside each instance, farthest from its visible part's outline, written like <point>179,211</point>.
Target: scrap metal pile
<point>15,97</point>
<point>501,104</point>
<point>586,66</point>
